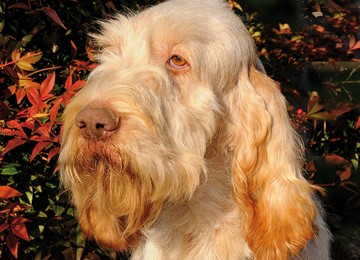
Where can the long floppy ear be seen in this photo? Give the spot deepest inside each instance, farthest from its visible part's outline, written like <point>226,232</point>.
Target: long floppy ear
<point>267,170</point>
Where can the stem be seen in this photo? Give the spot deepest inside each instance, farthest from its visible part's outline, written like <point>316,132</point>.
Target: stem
<point>6,64</point>
<point>38,71</point>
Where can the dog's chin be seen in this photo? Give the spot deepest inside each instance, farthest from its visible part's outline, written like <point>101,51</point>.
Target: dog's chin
<point>115,203</point>
<point>107,231</point>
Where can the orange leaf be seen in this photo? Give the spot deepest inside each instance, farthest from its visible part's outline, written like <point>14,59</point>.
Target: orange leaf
<point>15,55</point>
<point>20,94</point>
<point>20,231</point>
<point>27,82</point>
<point>11,145</point>
<point>357,123</point>
<point>12,243</point>
<point>37,149</point>
<point>7,192</point>
<point>54,16</point>
<point>33,96</point>
<point>12,89</point>
<point>319,28</point>
<point>47,86</point>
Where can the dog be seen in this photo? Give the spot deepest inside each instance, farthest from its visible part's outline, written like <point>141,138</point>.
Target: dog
<point>179,147</point>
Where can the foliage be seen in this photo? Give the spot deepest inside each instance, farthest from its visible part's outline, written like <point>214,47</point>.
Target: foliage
<point>44,61</point>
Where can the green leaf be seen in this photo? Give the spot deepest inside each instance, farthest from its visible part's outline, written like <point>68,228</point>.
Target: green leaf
<point>10,169</point>
<point>42,214</point>
<point>29,195</point>
<point>58,210</point>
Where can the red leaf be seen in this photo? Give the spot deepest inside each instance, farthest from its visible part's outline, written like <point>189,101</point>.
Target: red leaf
<point>54,16</point>
<point>343,165</point>
<point>68,82</point>
<point>357,123</point>
<point>47,86</point>
<point>20,6</point>
<point>78,85</point>
<point>54,113</point>
<point>37,149</point>
<point>20,231</point>
<point>19,220</point>
<point>15,124</point>
<point>352,44</point>
<point>56,169</point>
<point>35,100</point>
<point>43,131</point>
<point>53,152</point>
<point>314,107</point>
<point>355,46</point>
<point>73,49</point>
<point>12,144</point>
<point>12,243</point>
<point>7,192</point>
<point>3,227</point>
<point>11,132</point>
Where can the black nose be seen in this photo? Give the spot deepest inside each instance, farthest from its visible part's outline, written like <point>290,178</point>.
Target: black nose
<point>97,123</point>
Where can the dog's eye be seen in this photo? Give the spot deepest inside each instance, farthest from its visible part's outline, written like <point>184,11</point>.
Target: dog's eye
<point>177,62</point>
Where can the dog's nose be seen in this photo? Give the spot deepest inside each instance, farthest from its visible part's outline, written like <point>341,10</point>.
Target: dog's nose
<point>97,123</point>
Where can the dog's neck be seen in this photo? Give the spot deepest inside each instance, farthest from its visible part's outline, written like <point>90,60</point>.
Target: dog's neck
<point>194,227</point>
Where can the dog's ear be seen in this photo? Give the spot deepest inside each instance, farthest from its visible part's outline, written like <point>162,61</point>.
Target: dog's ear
<point>266,169</point>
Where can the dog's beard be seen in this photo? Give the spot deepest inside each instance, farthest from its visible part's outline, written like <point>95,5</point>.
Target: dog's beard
<point>112,200</point>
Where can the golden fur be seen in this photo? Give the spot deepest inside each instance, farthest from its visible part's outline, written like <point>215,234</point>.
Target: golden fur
<point>204,163</point>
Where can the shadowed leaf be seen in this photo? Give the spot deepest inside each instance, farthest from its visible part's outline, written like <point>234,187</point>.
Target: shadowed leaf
<point>54,16</point>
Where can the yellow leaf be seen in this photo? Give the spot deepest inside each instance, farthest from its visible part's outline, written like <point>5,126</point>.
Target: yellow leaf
<point>339,15</point>
<point>24,65</point>
<point>256,34</point>
<point>26,82</point>
<point>26,39</point>
<point>23,79</point>
<point>297,38</point>
<point>237,6</point>
<point>284,26</point>
<point>40,115</point>
<point>31,57</point>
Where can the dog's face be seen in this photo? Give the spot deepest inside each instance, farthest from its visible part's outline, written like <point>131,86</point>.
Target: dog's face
<point>158,83</point>
<point>175,88</point>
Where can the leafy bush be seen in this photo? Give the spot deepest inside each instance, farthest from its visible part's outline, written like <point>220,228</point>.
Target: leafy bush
<point>45,58</point>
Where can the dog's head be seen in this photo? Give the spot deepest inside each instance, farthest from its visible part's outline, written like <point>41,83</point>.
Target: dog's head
<point>176,87</point>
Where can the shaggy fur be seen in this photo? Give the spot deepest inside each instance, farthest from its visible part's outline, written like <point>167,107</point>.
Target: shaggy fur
<point>179,148</point>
